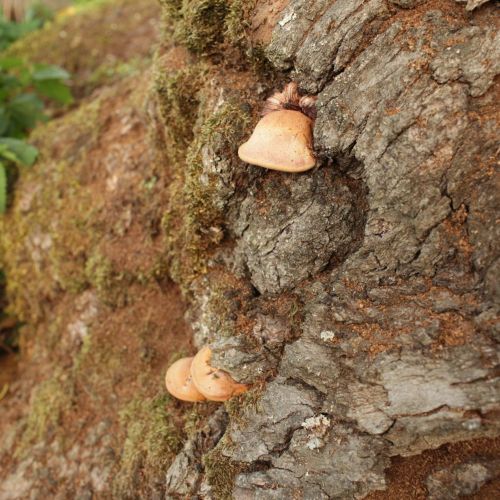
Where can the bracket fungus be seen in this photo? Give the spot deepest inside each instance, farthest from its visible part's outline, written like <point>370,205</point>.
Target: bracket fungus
<point>180,383</point>
<point>282,139</point>
<point>214,384</point>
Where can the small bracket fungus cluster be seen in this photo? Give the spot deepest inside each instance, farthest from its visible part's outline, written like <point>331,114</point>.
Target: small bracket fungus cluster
<point>282,139</point>
<point>194,379</point>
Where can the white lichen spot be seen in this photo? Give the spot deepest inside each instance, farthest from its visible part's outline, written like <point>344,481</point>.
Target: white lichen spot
<point>317,428</point>
<point>87,307</point>
<point>314,443</point>
<point>320,421</point>
<point>472,425</point>
<point>78,330</point>
<point>39,243</point>
<point>289,17</point>
<point>327,335</point>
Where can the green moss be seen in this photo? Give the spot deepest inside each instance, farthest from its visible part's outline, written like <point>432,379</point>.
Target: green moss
<point>211,26</point>
<point>151,443</point>
<point>194,210</point>
<point>236,407</point>
<point>100,273</point>
<point>111,71</point>
<point>237,34</point>
<point>172,9</point>
<point>51,399</point>
<point>36,246</point>
<point>203,24</point>
<point>220,471</point>
<point>237,22</point>
<point>179,99</point>
<point>193,420</point>
<point>111,286</point>
<point>220,132</point>
<point>84,353</point>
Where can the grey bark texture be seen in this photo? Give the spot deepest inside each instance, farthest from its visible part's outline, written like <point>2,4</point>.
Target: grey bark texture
<point>185,474</point>
<point>388,249</point>
<point>461,480</point>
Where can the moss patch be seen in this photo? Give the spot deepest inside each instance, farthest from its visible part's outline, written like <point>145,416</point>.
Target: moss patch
<point>37,247</point>
<point>237,22</point>
<point>213,28</point>
<point>179,97</point>
<point>202,25</point>
<point>220,472</point>
<point>50,399</point>
<point>151,442</point>
<point>237,406</point>
<point>110,284</point>
<point>192,223</point>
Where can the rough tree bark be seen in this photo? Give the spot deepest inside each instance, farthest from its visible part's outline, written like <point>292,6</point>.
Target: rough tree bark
<point>387,253</point>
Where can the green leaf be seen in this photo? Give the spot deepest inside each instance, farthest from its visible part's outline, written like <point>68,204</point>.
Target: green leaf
<point>43,72</point>
<point>3,189</point>
<point>11,62</point>
<point>24,153</point>
<point>4,120</point>
<point>54,89</point>
<point>25,110</point>
<point>7,154</point>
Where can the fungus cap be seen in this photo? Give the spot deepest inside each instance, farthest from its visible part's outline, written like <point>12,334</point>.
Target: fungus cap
<point>179,381</point>
<point>282,140</point>
<point>214,384</point>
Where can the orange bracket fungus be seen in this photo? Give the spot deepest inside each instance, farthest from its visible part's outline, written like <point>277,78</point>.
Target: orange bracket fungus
<point>282,139</point>
<point>179,381</point>
<point>214,384</point>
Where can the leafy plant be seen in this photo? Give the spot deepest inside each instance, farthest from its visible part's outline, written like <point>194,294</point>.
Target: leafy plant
<point>35,17</point>
<point>10,31</point>
<point>24,88</point>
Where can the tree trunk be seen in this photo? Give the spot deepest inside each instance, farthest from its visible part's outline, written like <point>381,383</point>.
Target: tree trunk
<point>370,284</point>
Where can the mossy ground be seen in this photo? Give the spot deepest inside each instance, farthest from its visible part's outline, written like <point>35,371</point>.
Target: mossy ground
<point>152,439</point>
<point>50,399</point>
<point>81,251</point>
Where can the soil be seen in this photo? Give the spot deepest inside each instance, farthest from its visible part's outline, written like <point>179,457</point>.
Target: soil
<point>132,343</point>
